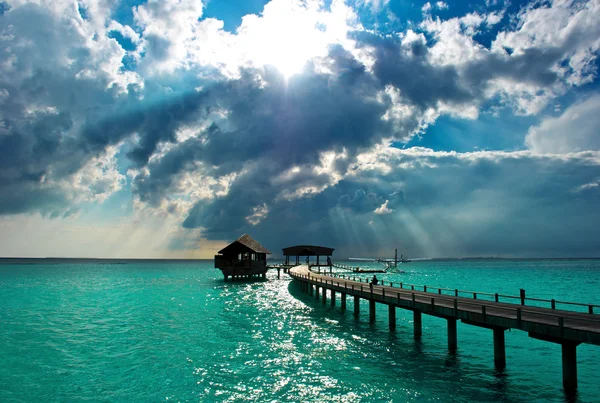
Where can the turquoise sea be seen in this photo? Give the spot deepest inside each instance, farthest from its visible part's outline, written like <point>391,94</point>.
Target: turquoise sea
<point>175,331</point>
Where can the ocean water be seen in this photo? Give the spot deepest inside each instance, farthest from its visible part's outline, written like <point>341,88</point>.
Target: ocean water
<point>175,331</point>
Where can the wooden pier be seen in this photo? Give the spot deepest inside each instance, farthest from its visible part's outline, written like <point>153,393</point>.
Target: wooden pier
<point>567,328</point>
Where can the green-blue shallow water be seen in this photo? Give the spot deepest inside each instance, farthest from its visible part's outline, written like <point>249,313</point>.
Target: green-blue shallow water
<point>174,331</point>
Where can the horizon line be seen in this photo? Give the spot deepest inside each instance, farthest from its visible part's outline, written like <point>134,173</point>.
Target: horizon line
<point>345,258</point>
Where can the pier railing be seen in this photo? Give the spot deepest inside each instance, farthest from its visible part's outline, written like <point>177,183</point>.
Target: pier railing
<point>367,291</point>
<point>566,327</point>
<point>522,299</point>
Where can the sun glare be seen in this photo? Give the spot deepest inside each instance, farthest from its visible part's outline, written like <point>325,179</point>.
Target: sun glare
<point>289,35</point>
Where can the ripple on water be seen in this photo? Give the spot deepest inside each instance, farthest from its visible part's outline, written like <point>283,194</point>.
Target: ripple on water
<point>179,333</point>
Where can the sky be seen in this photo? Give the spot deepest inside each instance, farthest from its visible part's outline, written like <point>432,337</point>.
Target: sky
<point>168,128</point>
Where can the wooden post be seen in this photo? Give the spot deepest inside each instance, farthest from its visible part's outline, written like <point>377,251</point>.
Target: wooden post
<point>372,310</point>
<point>356,304</point>
<point>522,295</point>
<point>324,294</point>
<point>569,365</point>
<point>417,324</point>
<point>317,291</point>
<point>310,289</point>
<point>332,298</point>
<point>452,337</point>
<point>278,272</point>
<point>343,303</point>
<point>392,316</point>
<point>499,349</point>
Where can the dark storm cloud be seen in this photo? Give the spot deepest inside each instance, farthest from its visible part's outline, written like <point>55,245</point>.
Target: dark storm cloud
<point>451,205</point>
<point>277,124</point>
<point>154,123</point>
<point>420,82</point>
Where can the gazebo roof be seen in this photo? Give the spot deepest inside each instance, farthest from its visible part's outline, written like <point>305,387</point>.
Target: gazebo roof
<point>244,243</point>
<point>307,250</point>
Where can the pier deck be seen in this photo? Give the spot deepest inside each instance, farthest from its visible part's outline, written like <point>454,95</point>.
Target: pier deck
<point>567,328</point>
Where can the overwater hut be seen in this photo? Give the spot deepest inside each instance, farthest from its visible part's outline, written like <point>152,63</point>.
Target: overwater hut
<point>244,257</point>
<point>306,250</point>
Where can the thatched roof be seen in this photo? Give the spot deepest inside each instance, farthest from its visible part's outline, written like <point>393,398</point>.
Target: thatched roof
<point>245,243</point>
<point>307,250</point>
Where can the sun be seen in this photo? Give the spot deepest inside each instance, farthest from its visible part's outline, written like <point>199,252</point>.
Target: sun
<point>288,36</point>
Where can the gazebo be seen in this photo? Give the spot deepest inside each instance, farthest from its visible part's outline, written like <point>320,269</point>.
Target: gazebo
<point>244,257</point>
<point>306,250</point>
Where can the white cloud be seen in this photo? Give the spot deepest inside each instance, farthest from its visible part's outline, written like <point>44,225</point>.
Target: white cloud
<point>375,5</point>
<point>383,209</point>
<point>259,213</point>
<point>169,30</point>
<point>552,49</point>
<point>570,27</point>
<point>439,5</point>
<point>576,129</point>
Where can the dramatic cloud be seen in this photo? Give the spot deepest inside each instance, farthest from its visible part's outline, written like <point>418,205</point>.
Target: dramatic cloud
<point>292,120</point>
<point>441,204</point>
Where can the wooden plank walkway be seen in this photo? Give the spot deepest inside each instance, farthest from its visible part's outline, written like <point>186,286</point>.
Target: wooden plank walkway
<point>567,328</point>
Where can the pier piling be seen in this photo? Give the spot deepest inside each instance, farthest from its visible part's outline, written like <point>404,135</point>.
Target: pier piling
<point>372,310</point>
<point>392,316</point>
<point>417,324</point>
<point>569,365</point>
<point>499,348</point>
<point>452,336</point>
<point>569,329</point>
